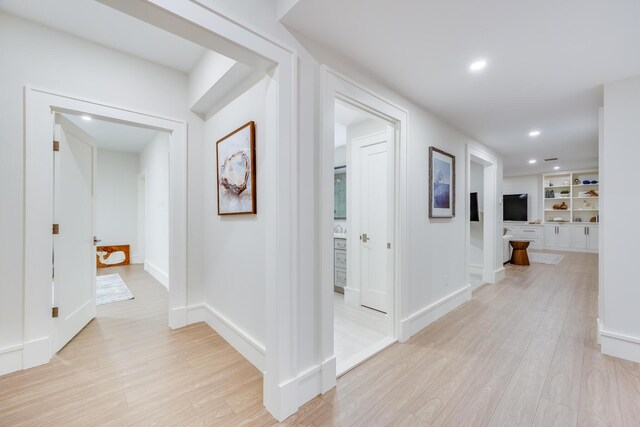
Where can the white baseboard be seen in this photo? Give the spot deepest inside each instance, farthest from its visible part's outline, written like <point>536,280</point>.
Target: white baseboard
<point>136,259</point>
<point>179,317</point>
<point>157,274</point>
<point>10,359</point>
<point>281,399</point>
<point>36,352</point>
<point>620,345</point>
<point>424,317</point>
<point>311,382</point>
<point>246,345</point>
<point>327,375</point>
<point>499,274</point>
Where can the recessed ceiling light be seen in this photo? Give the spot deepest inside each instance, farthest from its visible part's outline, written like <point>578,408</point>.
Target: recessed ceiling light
<point>87,118</point>
<point>556,167</point>
<point>478,65</point>
<point>532,161</point>
<point>534,133</point>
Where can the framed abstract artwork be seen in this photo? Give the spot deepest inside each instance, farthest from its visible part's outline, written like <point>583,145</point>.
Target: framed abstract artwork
<point>236,163</point>
<point>442,184</point>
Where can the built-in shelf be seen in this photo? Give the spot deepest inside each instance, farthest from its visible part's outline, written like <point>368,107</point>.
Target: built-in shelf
<point>577,212</point>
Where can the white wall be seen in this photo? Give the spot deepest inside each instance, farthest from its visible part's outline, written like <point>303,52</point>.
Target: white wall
<point>117,200</point>
<point>32,54</point>
<point>234,273</point>
<point>619,291</point>
<point>436,255</point>
<point>530,184</point>
<point>476,244</point>
<point>154,163</point>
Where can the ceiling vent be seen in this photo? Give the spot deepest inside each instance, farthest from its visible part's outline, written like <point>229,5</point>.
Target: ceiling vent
<point>553,159</point>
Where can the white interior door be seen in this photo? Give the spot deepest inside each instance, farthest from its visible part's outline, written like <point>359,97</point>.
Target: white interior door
<point>374,182</point>
<point>74,211</point>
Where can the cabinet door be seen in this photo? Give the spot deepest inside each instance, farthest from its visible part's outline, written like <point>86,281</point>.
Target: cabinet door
<point>563,238</point>
<point>593,237</point>
<point>550,235</point>
<point>580,237</point>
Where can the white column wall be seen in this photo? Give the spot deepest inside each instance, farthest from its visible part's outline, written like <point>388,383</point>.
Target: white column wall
<point>619,291</point>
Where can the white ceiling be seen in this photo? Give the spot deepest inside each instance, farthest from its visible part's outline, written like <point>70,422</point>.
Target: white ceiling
<point>101,24</point>
<point>114,135</point>
<point>547,61</point>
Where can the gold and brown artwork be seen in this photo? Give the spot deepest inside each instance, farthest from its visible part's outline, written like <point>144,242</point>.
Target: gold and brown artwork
<point>237,172</point>
<point>111,256</point>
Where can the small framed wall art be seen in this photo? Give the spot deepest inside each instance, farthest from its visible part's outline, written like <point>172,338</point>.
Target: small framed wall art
<point>236,163</point>
<point>442,184</point>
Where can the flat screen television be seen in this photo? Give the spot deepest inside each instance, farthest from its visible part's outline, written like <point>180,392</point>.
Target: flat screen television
<point>514,207</point>
<point>474,208</point>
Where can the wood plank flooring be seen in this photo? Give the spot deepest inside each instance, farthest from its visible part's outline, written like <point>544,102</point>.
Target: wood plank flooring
<point>127,367</point>
<point>522,352</point>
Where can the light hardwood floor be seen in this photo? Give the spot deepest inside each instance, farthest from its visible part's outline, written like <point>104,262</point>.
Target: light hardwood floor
<point>522,352</point>
<point>127,367</point>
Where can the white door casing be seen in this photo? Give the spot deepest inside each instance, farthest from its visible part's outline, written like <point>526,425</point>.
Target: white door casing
<point>40,107</point>
<point>372,190</point>
<point>74,212</point>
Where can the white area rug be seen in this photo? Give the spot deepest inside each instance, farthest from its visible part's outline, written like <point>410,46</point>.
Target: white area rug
<point>111,288</point>
<point>544,258</point>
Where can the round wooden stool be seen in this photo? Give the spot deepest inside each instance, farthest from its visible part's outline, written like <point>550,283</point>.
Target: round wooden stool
<point>519,255</point>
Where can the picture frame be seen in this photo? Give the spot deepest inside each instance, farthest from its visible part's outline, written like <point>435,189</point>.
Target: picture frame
<point>236,171</point>
<point>442,184</point>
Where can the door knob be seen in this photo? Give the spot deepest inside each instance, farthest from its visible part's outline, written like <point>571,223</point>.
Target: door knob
<point>364,238</point>
<point>96,240</point>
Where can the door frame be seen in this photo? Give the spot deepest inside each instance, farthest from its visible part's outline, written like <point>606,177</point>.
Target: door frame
<point>40,107</point>
<point>337,86</point>
<point>492,269</point>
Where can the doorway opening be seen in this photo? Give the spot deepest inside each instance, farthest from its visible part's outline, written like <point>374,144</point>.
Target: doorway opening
<point>363,230</point>
<point>483,263</point>
<point>476,218</point>
<point>111,181</point>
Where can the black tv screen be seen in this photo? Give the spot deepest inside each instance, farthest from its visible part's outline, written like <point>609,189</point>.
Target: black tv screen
<point>474,207</point>
<point>515,207</point>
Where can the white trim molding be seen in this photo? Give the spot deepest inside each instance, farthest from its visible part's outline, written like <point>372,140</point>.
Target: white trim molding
<point>245,344</point>
<point>157,274</point>
<point>335,85</point>
<point>620,345</point>
<point>39,107</point>
<point>10,359</point>
<point>198,22</point>
<point>426,316</point>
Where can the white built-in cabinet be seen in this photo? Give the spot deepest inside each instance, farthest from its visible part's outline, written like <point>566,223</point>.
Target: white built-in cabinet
<point>579,192</point>
<point>557,236</point>
<point>531,232</point>
<point>585,236</point>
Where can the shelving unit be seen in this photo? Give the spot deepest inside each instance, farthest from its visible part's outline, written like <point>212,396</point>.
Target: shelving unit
<point>581,208</point>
